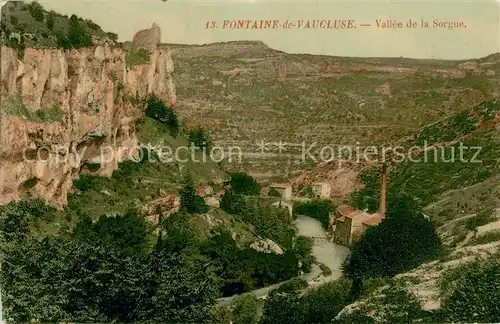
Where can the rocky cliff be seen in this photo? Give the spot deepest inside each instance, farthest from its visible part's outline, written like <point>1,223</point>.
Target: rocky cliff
<point>63,111</point>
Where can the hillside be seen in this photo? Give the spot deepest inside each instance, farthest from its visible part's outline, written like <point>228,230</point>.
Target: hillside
<point>462,199</point>
<point>453,287</point>
<point>29,25</point>
<point>244,92</point>
<point>438,164</point>
<point>461,205</point>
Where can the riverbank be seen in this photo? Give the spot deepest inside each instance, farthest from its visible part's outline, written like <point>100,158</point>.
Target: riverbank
<point>330,254</point>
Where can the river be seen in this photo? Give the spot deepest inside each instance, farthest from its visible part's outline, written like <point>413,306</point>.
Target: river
<point>330,254</point>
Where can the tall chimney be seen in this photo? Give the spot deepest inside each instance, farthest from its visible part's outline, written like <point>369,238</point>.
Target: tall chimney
<point>383,192</point>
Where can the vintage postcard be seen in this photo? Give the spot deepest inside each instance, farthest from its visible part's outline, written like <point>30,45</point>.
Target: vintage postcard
<point>251,161</point>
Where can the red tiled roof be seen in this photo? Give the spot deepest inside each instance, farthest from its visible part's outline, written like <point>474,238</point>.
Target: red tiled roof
<point>345,210</point>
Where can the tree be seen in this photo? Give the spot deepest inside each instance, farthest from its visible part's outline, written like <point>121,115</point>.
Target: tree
<point>317,209</point>
<point>244,309</point>
<point>190,201</point>
<point>156,109</point>
<point>179,233</point>
<point>244,184</point>
<point>402,241</point>
<point>112,36</point>
<point>284,308</point>
<point>16,218</point>
<point>199,139</point>
<point>78,36</point>
<point>326,301</point>
<point>476,294</point>
<point>186,288</point>
<point>233,203</point>
<point>102,272</point>
<point>36,11</point>
<point>50,20</point>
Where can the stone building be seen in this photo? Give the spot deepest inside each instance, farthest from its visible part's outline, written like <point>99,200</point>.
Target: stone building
<point>350,224</point>
<point>284,189</point>
<point>321,190</point>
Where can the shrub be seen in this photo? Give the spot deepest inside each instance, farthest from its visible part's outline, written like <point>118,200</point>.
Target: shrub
<point>480,219</point>
<point>13,20</point>
<point>156,109</point>
<point>50,20</point>
<point>190,201</point>
<point>78,35</point>
<point>293,285</point>
<point>198,138</point>
<point>476,297</point>
<point>308,192</point>
<point>233,203</point>
<point>325,270</point>
<point>112,36</point>
<point>244,184</point>
<point>317,209</point>
<point>402,241</point>
<point>244,309</point>
<point>36,11</point>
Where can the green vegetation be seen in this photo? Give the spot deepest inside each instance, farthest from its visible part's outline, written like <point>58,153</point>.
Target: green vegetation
<point>435,172</point>
<point>30,25</point>
<point>319,305</point>
<point>267,220</point>
<point>190,201</point>
<point>303,248</point>
<point>295,284</point>
<point>480,219</point>
<point>198,138</point>
<point>325,270</point>
<point>135,57</point>
<point>246,269</point>
<point>101,272</point>
<point>402,241</point>
<point>317,209</point>
<point>36,11</point>
<point>243,310</point>
<point>273,193</point>
<point>472,293</point>
<point>157,109</point>
<point>307,192</point>
<point>15,106</point>
<point>243,184</point>
<point>134,181</point>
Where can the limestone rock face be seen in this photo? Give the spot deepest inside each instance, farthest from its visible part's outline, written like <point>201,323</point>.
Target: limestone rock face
<point>147,38</point>
<point>266,246</point>
<point>92,91</point>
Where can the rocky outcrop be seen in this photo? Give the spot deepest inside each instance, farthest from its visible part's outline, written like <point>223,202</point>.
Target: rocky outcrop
<point>147,38</point>
<point>164,204</point>
<point>267,246</point>
<point>94,96</point>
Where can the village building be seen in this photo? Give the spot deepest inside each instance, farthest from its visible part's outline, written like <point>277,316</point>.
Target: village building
<point>321,190</point>
<point>349,224</point>
<point>284,189</point>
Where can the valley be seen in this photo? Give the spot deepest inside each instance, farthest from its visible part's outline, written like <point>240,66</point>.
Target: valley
<point>111,210</point>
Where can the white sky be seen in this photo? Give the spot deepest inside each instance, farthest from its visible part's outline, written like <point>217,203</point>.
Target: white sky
<point>183,21</point>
